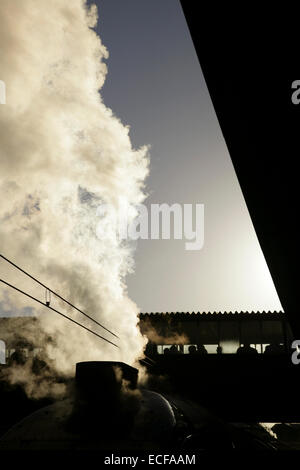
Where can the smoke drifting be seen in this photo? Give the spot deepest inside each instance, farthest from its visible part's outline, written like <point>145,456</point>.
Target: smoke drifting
<point>170,338</point>
<point>62,153</point>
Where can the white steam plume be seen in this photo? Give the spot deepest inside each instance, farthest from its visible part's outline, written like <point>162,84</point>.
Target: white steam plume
<point>62,153</point>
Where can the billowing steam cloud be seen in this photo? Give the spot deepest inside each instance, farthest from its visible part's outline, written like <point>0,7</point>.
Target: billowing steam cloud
<point>62,153</point>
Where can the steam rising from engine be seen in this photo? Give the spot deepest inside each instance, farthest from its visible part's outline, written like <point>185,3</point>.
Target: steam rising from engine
<point>62,154</point>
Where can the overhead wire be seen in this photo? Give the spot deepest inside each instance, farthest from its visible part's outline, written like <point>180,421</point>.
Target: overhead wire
<point>57,311</point>
<point>57,295</point>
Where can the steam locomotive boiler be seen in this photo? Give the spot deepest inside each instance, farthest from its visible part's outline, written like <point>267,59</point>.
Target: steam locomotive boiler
<point>107,410</point>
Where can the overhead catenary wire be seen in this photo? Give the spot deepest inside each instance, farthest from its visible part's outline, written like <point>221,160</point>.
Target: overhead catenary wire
<point>57,295</point>
<point>148,361</point>
<point>59,313</point>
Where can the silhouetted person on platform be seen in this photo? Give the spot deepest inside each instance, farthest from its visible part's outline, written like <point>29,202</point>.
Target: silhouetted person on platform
<point>201,349</point>
<point>246,349</point>
<point>219,349</point>
<point>174,350</point>
<point>274,348</point>
<point>192,349</point>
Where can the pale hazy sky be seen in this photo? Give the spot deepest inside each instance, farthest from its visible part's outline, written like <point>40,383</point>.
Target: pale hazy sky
<point>155,85</point>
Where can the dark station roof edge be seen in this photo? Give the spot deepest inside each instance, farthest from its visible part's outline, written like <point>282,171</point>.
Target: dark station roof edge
<point>213,314</point>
